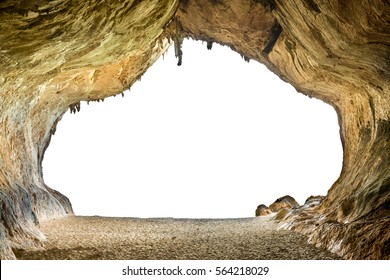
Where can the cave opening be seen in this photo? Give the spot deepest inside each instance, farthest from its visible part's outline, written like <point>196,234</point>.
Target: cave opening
<point>210,139</point>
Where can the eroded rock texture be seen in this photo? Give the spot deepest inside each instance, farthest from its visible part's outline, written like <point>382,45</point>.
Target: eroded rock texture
<point>285,202</point>
<point>55,54</point>
<point>262,210</point>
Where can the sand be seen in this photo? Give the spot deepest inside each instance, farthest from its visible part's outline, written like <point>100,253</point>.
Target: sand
<point>79,237</point>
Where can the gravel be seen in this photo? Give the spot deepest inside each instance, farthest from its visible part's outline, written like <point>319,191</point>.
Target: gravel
<point>79,237</point>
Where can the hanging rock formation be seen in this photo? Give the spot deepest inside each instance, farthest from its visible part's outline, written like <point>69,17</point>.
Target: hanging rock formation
<point>55,54</point>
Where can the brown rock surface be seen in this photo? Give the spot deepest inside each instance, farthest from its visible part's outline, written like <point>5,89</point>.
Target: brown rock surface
<point>284,202</point>
<point>55,54</point>
<point>314,200</point>
<point>262,210</point>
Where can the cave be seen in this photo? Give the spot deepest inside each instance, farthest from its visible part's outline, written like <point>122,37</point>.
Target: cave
<point>177,151</point>
<point>56,54</point>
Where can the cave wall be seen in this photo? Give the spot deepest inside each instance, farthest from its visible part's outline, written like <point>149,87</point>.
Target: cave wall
<point>55,54</point>
<point>345,48</point>
<point>337,52</point>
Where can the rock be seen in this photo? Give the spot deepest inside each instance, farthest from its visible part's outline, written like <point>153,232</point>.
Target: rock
<point>312,201</point>
<point>262,210</point>
<point>285,202</point>
<point>56,54</point>
<point>282,214</point>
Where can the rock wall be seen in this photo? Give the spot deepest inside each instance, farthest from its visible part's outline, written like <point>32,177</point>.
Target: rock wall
<point>339,52</point>
<point>55,54</point>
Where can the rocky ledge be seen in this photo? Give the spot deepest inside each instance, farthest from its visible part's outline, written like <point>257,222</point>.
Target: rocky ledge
<point>283,203</point>
<point>57,53</point>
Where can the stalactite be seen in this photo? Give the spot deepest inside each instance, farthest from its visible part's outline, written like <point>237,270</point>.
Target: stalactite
<point>178,43</point>
<point>75,108</point>
<point>209,45</point>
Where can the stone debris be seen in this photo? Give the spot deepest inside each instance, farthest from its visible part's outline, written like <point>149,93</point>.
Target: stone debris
<point>166,238</point>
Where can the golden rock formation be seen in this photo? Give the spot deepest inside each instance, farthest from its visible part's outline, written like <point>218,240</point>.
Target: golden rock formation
<point>56,53</point>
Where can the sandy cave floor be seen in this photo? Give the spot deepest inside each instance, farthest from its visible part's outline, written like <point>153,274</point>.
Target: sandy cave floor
<point>79,237</point>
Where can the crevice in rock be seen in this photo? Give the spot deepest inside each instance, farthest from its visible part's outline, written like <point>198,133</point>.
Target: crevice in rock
<point>275,33</point>
<point>312,5</point>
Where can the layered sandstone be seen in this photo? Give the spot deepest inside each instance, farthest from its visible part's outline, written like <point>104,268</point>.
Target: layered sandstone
<point>55,54</point>
<point>262,210</point>
<point>285,202</point>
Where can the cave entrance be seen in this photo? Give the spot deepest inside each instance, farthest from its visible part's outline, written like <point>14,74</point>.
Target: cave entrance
<point>213,138</point>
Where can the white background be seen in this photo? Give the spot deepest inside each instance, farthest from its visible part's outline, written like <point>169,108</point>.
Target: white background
<point>212,138</point>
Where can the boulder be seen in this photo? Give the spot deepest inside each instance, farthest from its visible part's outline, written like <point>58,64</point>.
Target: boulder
<point>262,210</point>
<point>285,202</point>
